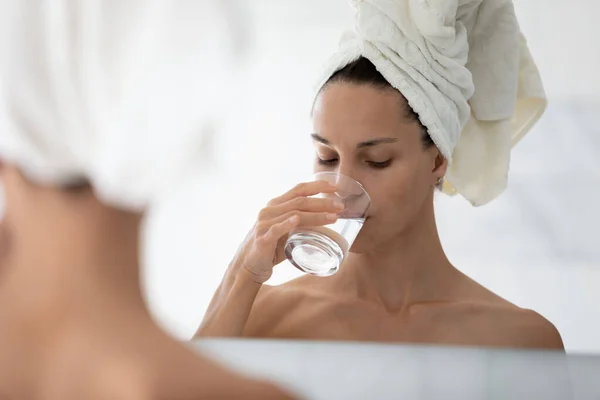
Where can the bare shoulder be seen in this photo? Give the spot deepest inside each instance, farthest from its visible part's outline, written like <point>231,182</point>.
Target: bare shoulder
<point>172,369</point>
<point>197,377</point>
<point>507,325</point>
<point>139,361</point>
<point>528,329</point>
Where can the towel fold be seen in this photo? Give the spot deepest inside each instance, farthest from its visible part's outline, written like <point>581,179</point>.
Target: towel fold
<point>465,69</point>
<point>114,92</point>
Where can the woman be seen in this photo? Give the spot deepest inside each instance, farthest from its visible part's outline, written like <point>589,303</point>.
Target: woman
<point>373,121</point>
<point>73,321</point>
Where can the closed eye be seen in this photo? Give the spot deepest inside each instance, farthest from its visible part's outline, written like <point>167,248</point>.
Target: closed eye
<point>331,161</point>
<point>379,165</point>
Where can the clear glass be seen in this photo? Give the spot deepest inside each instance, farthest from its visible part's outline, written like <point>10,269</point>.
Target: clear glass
<point>320,250</point>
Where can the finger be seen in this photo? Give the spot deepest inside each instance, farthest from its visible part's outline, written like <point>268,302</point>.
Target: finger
<point>307,218</point>
<point>307,204</point>
<point>304,190</point>
<point>278,230</point>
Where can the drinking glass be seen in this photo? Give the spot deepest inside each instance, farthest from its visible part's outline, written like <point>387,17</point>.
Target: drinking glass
<point>320,250</point>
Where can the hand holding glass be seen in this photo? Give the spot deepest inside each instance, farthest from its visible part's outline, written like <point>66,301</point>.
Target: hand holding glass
<point>320,250</point>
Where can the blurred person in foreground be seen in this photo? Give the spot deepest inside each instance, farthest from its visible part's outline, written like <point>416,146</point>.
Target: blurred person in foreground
<point>420,96</point>
<point>102,107</point>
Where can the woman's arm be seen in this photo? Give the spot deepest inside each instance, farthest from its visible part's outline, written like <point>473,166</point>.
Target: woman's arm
<point>230,307</point>
<point>262,249</point>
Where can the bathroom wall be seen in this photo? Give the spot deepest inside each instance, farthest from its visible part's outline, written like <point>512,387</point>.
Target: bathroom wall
<point>538,245</point>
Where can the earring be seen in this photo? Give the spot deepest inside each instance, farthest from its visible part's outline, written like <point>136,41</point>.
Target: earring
<point>440,181</point>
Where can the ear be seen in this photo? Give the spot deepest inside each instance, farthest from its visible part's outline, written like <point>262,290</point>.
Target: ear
<point>440,167</point>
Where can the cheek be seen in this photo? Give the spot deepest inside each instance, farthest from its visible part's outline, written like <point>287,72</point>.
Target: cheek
<point>400,189</point>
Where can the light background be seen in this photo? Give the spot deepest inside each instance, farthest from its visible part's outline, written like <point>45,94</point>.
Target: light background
<point>538,245</point>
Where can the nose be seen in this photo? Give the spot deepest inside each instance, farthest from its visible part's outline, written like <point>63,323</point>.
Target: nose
<point>344,169</point>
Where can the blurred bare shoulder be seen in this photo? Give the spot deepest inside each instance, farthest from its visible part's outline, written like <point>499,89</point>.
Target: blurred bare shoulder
<point>185,374</point>
<point>156,367</point>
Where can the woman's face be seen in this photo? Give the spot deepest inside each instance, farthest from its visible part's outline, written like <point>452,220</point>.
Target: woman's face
<point>363,132</point>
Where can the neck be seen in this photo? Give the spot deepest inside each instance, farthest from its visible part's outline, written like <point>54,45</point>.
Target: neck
<point>79,267</point>
<point>411,268</point>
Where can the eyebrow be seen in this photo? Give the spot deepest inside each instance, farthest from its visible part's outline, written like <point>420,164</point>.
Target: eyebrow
<point>369,143</point>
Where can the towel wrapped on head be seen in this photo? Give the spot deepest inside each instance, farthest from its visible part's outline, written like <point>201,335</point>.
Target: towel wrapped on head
<point>465,69</point>
<point>116,93</point>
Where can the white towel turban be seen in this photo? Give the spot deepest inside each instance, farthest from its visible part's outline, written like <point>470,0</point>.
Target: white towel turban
<point>113,91</point>
<point>465,69</point>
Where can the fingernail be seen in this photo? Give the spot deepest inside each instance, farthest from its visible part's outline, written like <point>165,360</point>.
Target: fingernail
<point>294,219</point>
<point>332,217</point>
<point>339,204</point>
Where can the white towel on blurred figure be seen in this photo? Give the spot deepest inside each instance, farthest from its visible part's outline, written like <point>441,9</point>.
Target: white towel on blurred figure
<point>115,92</point>
<point>465,68</point>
